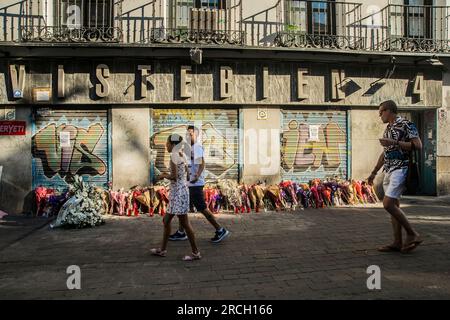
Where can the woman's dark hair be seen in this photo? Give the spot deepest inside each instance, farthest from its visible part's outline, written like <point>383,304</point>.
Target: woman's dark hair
<point>175,139</point>
<point>389,105</point>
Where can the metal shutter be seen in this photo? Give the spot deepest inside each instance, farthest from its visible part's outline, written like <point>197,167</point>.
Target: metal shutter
<point>219,138</point>
<point>304,159</point>
<point>88,154</point>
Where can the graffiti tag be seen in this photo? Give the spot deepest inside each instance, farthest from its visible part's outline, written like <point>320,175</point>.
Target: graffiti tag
<point>302,153</point>
<point>75,156</point>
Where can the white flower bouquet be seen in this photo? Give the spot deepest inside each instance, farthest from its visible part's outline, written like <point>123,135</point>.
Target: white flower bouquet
<point>83,209</point>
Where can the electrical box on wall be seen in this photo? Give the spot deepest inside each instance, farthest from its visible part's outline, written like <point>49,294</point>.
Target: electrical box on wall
<point>8,113</point>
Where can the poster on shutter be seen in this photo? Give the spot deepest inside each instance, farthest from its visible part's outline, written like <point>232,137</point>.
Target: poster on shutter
<point>64,139</point>
<point>314,132</point>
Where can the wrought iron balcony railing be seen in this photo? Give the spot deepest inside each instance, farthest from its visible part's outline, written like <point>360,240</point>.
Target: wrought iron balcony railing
<point>123,21</point>
<point>183,21</point>
<point>71,21</point>
<point>12,18</point>
<point>319,24</point>
<point>308,24</point>
<point>409,28</point>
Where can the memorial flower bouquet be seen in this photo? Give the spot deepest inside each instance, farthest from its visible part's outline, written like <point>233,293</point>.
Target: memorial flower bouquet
<point>84,207</point>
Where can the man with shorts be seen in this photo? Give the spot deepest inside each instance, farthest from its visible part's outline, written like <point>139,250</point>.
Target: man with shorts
<point>399,138</point>
<point>196,183</point>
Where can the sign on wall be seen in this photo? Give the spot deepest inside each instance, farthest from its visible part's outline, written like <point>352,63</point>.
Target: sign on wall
<point>220,82</point>
<point>12,128</point>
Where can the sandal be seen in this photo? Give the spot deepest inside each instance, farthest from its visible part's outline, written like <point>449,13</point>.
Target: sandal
<point>411,246</point>
<point>194,256</point>
<point>158,252</point>
<point>389,248</point>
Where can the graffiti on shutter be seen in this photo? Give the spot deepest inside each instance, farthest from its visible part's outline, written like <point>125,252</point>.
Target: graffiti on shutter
<point>219,138</point>
<point>314,145</point>
<point>68,143</point>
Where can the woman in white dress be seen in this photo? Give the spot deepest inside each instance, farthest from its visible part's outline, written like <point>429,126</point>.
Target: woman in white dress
<point>178,197</point>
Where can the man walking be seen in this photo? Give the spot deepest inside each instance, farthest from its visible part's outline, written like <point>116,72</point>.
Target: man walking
<point>196,184</point>
<point>399,138</point>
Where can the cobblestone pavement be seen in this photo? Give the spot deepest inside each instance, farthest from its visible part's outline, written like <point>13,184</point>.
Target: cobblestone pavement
<point>307,254</point>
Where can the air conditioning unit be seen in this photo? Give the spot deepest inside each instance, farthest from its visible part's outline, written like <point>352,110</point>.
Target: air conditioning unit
<point>206,19</point>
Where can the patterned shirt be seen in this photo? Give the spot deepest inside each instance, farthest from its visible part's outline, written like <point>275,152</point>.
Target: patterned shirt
<point>401,130</point>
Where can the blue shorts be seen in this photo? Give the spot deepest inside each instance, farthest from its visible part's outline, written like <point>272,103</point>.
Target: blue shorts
<point>196,198</point>
<point>394,183</point>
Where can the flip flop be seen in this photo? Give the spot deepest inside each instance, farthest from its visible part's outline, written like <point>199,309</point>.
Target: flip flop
<point>158,252</point>
<point>411,246</point>
<point>389,248</point>
<point>192,257</point>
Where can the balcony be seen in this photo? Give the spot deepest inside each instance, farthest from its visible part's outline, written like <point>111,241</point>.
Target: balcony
<point>319,24</point>
<point>294,24</point>
<point>407,28</point>
<point>208,22</point>
<point>123,21</point>
<point>73,21</point>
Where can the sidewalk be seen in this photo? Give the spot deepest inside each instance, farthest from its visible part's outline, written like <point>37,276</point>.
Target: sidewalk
<point>15,227</point>
<point>307,254</point>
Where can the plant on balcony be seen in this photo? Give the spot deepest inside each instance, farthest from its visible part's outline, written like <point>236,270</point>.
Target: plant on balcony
<point>291,28</point>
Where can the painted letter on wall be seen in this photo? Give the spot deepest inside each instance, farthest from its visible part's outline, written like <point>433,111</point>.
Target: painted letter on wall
<point>17,80</point>
<point>302,83</point>
<point>186,79</point>
<point>144,69</point>
<point>102,88</point>
<point>226,82</point>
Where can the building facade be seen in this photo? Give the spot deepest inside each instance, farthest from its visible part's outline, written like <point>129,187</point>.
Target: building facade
<point>281,89</point>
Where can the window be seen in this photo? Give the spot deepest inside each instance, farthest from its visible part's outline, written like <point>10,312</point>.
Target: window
<point>296,16</point>
<point>86,13</point>
<point>418,18</point>
<point>211,4</point>
<point>181,12</point>
<point>314,17</point>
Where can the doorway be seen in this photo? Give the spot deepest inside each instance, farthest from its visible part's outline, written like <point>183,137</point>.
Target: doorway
<point>425,121</point>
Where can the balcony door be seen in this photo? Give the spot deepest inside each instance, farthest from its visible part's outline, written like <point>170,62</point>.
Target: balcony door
<point>181,11</point>
<point>316,17</point>
<point>418,19</point>
<point>85,14</point>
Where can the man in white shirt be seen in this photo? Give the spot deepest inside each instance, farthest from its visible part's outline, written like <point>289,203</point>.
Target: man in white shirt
<point>196,184</point>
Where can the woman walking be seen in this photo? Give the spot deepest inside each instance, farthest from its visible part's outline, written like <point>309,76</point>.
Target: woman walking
<point>178,198</point>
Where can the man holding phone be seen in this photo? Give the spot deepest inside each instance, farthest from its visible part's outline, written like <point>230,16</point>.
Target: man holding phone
<point>196,184</point>
<point>399,138</point>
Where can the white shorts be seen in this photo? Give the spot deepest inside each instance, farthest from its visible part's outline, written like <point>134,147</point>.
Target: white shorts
<point>394,183</point>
